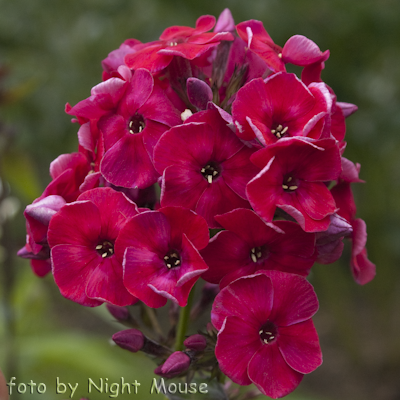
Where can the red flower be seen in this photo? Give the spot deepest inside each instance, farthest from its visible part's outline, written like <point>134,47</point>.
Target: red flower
<point>160,253</point>
<point>205,166</point>
<point>130,132</point>
<point>259,42</point>
<point>362,268</point>
<point>116,58</point>
<point>266,335</point>
<point>281,106</point>
<point>293,178</point>
<point>182,41</point>
<point>82,237</point>
<point>299,50</point>
<point>249,245</point>
<point>68,172</point>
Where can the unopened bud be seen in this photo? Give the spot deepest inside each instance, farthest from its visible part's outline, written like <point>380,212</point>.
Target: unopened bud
<point>329,252</point>
<point>177,363</point>
<point>44,209</point>
<point>347,108</point>
<point>129,339</point>
<point>196,342</point>
<point>199,93</point>
<point>119,313</point>
<point>225,22</point>
<point>338,228</point>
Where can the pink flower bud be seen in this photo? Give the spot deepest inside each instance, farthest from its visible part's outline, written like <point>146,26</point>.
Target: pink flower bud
<point>44,209</point>
<point>129,339</point>
<point>175,364</point>
<point>199,93</point>
<point>196,342</point>
<point>119,313</point>
<point>225,22</point>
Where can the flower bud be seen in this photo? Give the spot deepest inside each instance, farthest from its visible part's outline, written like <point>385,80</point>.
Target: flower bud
<point>199,93</point>
<point>337,229</point>
<point>329,244</point>
<point>119,313</point>
<point>175,364</point>
<point>196,342</point>
<point>129,339</point>
<point>225,22</point>
<point>44,209</point>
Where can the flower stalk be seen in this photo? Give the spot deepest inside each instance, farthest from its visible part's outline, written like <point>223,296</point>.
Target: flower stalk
<point>183,322</point>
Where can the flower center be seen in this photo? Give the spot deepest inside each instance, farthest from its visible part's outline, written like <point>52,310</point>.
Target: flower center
<point>290,184</point>
<point>175,41</point>
<point>268,332</point>
<point>259,253</point>
<point>172,259</point>
<point>210,172</point>
<point>136,124</point>
<point>105,249</point>
<point>279,131</point>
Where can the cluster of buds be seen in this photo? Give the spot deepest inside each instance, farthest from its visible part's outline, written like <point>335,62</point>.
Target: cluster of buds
<point>200,156</point>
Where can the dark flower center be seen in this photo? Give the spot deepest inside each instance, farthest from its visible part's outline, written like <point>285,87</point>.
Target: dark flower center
<point>172,259</point>
<point>279,131</point>
<point>105,249</point>
<point>290,183</point>
<point>259,253</point>
<point>136,124</point>
<point>268,332</point>
<point>210,171</point>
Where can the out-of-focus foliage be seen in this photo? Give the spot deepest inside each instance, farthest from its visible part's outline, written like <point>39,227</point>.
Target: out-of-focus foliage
<point>52,49</point>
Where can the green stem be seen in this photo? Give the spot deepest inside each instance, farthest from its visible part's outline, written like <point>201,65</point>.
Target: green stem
<point>183,322</point>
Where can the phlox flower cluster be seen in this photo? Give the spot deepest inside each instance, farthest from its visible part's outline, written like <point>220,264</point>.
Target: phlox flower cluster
<point>201,157</point>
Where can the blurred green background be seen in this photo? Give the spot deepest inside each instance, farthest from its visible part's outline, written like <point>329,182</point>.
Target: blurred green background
<point>50,54</point>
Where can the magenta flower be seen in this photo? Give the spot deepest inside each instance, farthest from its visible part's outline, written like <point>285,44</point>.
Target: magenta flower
<point>264,110</point>
<point>130,133</point>
<point>116,58</point>
<point>205,166</point>
<point>293,178</point>
<point>68,172</point>
<point>259,42</point>
<point>362,268</point>
<point>182,41</point>
<point>299,50</point>
<point>266,335</point>
<point>160,253</point>
<point>38,216</point>
<point>82,238</point>
<point>249,245</point>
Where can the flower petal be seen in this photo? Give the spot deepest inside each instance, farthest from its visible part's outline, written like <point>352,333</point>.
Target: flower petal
<point>141,266</point>
<point>72,267</point>
<point>315,199</point>
<point>105,284</point>
<point>185,221</point>
<point>66,226</point>
<point>115,209</point>
<point>128,164</point>
<point>294,298</point>
<point>237,342</point>
<point>182,186</point>
<point>271,374</point>
<point>149,230</point>
<point>249,298</point>
<point>225,254</point>
<point>218,198</point>
<point>299,346</point>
